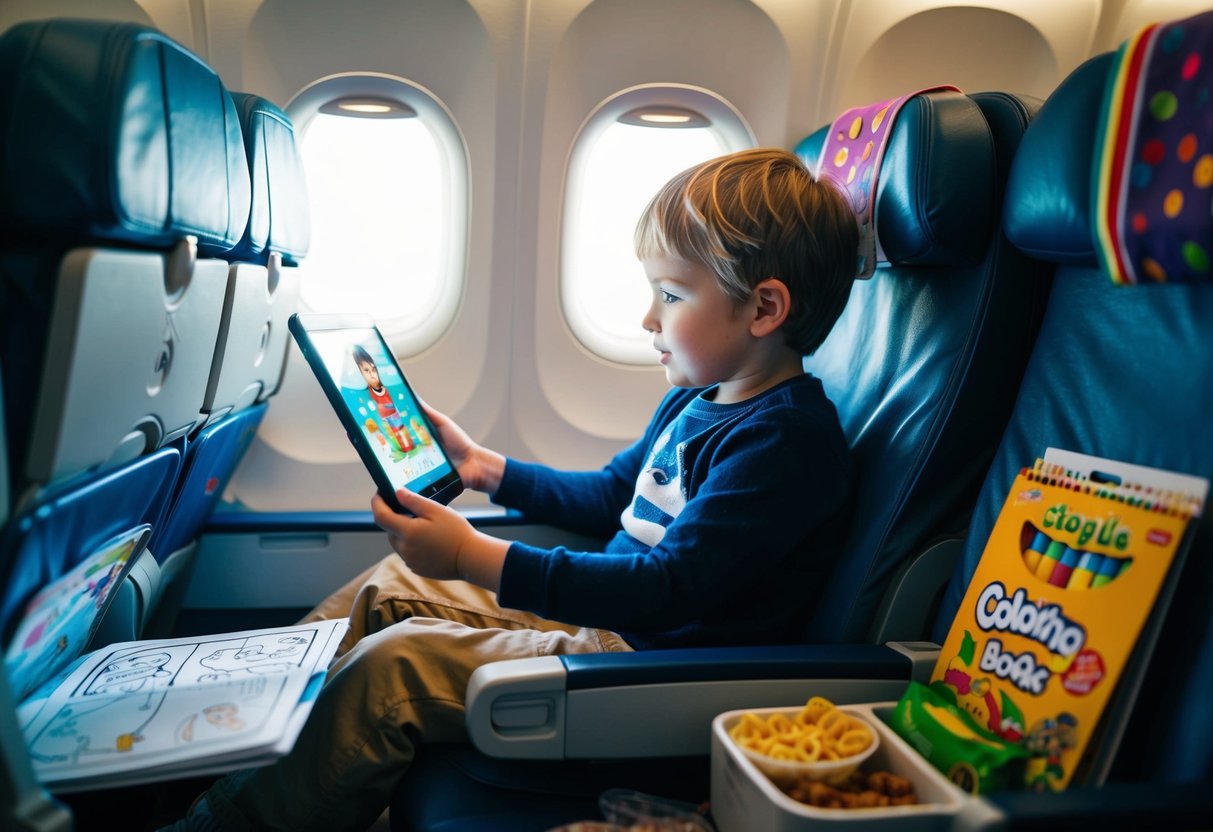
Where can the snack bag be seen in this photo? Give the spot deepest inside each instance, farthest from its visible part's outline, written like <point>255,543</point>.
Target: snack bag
<point>951,740</point>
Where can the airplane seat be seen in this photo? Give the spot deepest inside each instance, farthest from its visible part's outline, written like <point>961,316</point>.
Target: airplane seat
<point>251,349</point>
<point>124,180</point>
<point>1122,372</point>
<point>923,363</point>
<point>123,177</point>
<point>922,367</point>
<point>4,479</point>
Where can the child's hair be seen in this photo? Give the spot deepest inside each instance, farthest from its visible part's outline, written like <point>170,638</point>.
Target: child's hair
<point>361,356</point>
<point>756,214</point>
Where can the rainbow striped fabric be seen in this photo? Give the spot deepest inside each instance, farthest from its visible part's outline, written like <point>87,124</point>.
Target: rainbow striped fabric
<point>1153,179</point>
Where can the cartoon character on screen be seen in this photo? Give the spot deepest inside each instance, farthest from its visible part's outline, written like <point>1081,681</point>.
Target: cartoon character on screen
<point>381,400</point>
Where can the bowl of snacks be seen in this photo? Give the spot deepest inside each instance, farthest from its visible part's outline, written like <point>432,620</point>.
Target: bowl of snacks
<point>820,742</point>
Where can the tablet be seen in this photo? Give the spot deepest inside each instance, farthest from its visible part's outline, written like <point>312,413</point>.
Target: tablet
<point>376,406</point>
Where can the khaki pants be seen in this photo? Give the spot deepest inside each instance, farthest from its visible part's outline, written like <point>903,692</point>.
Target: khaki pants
<point>399,678</point>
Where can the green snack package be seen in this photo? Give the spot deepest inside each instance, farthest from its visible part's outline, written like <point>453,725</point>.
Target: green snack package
<point>967,754</point>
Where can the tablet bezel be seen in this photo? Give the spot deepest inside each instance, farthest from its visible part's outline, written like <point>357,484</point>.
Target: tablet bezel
<point>302,326</point>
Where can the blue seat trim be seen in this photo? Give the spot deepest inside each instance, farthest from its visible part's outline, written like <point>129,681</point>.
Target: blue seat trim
<point>270,522</point>
<point>46,540</point>
<point>209,462</point>
<point>798,661</point>
<point>279,219</point>
<point>1048,205</point>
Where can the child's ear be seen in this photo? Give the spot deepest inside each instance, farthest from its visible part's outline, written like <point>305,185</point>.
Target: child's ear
<point>772,304</point>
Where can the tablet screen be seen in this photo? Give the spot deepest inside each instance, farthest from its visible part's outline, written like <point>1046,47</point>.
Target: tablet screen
<point>375,394</point>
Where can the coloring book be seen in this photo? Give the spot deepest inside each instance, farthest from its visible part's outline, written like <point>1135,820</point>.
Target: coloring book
<point>140,711</point>
<point>1078,559</point>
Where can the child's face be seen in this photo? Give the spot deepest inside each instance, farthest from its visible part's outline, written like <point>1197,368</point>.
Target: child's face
<point>702,335</point>
<point>371,373</point>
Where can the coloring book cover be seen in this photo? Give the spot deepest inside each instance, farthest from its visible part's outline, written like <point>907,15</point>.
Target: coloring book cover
<point>1054,610</point>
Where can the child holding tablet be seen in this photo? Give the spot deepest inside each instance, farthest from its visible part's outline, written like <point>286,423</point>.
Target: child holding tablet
<point>720,520</point>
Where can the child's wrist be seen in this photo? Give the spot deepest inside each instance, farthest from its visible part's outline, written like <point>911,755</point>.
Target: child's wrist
<point>492,471</point>
<point>479,558</point>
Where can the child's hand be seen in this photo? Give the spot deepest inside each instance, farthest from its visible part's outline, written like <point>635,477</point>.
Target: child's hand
<point>479,468</point>
<point>438,542</point>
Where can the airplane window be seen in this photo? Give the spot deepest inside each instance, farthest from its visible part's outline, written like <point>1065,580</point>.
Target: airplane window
<point>627,150</point>
<point>385,181</point>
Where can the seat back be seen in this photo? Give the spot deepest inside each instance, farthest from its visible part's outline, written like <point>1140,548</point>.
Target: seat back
<point>123,163</point>
<point>1118,372</point>
<point>263,281</point>
<point>123,177</point>
<point>250,352</point>
<point>923,363</point>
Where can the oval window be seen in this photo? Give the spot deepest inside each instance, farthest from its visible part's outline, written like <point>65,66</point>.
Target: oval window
<point>627,149</point>
<point>387,179</point>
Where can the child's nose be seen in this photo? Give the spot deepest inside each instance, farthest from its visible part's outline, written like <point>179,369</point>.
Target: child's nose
<point>650,321</point>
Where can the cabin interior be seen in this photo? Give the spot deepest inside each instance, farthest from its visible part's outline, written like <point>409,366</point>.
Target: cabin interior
<point>178,177</point>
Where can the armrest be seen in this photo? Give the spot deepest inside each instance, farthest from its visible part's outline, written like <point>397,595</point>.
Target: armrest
<point>660,703</point>
<point>230,521</point>
<point>911,599</point>
<point>1114,806</point>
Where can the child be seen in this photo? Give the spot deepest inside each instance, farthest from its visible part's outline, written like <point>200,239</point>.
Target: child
<point>381,399</point>
<point>723,518</point>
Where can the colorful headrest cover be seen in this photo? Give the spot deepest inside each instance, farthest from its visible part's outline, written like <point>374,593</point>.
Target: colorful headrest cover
<point>1154,157</point>
<point>851,156</point>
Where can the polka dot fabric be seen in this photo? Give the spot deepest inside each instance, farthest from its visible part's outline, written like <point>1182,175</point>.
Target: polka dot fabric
<point>1154,182</point>
<point>851,156</point>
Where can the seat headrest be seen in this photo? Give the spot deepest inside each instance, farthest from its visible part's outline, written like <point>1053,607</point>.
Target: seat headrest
<point>278,221</point>
<point>1048,203</point>
<point>113,132</point>
<point>922,218</point>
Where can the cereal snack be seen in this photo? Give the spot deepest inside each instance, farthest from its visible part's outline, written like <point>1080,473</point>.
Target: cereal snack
<point>821,741</point>
<point>859,790</point>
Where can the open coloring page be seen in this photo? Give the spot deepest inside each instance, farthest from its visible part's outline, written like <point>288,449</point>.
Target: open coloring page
<point>144,704</point>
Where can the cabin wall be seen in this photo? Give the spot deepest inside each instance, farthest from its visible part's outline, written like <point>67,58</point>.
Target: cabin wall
<point>519,78</point>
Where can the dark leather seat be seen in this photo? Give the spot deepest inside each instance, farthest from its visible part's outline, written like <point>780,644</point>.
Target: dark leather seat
<point>250,350</point>
<point>1121,372</point>
<point>124,182</point>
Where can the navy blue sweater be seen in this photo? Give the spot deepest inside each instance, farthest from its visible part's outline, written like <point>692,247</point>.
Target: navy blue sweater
<point>723,523</point>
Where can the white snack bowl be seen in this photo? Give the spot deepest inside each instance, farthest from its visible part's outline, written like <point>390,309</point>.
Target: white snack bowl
<point>744,798</point>
<point>789,771</point>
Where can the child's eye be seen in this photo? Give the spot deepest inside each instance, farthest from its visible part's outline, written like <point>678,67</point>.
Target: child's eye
<point>666,297</point>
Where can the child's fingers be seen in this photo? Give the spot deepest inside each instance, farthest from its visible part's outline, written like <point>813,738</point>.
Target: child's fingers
<point>435,417</point>
<point>385,516</point>
<point>413,502</point>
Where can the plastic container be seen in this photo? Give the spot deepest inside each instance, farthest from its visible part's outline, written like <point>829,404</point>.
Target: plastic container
<point>744,798</point>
